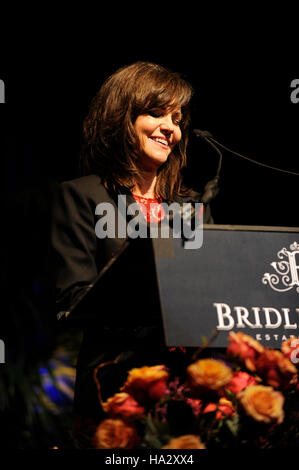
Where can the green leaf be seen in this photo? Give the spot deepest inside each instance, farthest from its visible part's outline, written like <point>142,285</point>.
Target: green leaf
<point>152,440</point>
<point>231,396</point>
<point>152,434</point>
<point>233,424</point>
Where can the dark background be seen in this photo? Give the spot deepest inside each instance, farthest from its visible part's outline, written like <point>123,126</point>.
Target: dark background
<point>243,99</point>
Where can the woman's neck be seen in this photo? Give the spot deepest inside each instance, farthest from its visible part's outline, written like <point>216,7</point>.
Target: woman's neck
<point>146,185</point>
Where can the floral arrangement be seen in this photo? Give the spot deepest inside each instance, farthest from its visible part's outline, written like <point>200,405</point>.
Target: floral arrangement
<point>248,398</point>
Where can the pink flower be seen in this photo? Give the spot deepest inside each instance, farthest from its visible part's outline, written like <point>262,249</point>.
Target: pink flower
<point>239,381</point>
<point>195,404</point>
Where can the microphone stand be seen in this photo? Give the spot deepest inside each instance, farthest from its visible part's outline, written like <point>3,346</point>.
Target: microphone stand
<point>211,189</point>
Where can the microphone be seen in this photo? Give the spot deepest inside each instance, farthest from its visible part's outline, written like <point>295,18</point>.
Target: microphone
<point>208,137</point>
<point>202,134</point>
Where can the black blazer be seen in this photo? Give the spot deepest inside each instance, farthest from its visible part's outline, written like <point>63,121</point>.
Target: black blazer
<point>128,316</point>
<point>77,254</point>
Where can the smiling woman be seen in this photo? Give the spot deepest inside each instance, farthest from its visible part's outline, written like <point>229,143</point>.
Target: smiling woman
<point>158,133</point>
<point>139,102</point>
<point>135,140</point>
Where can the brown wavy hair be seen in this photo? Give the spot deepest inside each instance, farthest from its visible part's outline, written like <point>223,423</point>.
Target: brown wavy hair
<point>111,147</point>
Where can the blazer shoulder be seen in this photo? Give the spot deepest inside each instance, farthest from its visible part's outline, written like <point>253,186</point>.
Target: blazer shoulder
<point>89,187</point>
<point>84,183</point>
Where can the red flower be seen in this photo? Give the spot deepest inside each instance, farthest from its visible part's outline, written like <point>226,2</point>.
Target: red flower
<point>210,407</point>
<point>276,369</point>
<point>240,381</point>
<point>245,347</point>
<point>223,409</point>
<point>175,348</point>
<point>157,390</point>
<point>122,404</point>
<point>147,383</point>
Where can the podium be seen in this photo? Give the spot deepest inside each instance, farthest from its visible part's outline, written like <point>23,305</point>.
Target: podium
<point>242,278</point>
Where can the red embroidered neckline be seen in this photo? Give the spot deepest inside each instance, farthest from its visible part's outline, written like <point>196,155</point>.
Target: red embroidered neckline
<point>146,200</point>
<point>151,208</point>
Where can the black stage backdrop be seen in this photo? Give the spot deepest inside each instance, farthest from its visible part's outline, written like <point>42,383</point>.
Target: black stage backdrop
<point>243,100</point>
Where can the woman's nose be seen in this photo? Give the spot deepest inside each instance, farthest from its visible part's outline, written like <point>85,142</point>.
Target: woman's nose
<point>166,124</point>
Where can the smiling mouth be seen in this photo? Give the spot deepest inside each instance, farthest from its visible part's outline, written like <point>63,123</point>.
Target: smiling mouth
<point>161,142</point>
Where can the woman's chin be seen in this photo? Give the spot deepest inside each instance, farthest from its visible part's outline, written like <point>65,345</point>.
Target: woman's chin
<point>153,162</point>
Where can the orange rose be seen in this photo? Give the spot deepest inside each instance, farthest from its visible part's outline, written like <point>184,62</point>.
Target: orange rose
<point>115,434</point>
<point>245,347</point>
<point>122,404</point>
<point>147,383</point>
<point>262,403</point>
<point>209,374</point>
<point>239,381</point>
<point>188,441</point>
<point>276,369</point>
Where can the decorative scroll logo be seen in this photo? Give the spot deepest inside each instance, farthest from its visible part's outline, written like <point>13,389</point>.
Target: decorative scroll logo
<point>286,269</point>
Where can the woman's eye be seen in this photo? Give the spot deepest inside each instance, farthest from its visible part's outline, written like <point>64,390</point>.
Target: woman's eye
<point>177,120</point>
<point>155,114</point>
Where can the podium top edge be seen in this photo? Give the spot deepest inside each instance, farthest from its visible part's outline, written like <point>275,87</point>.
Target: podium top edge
<point>256,228</point>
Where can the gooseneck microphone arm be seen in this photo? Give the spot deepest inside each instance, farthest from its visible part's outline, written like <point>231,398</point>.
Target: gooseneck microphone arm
<point>211,189</point>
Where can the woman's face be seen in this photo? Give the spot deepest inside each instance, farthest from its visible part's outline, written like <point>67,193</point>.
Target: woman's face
<point>158,132</point>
